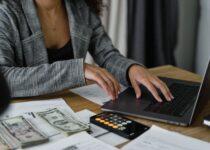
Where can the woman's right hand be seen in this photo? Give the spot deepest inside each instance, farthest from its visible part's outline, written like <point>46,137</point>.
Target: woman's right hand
<point>104,79</point>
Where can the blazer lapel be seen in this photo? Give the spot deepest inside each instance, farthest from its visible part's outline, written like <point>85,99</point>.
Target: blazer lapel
<point>79,31</point>
<point>30,12</point>
<point>35,46</point>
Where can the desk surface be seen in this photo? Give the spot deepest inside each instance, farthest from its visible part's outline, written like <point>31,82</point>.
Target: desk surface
<point>196,130</point>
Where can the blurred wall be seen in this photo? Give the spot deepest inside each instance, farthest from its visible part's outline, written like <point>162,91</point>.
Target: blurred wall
<point>187,36</point>
<point>203,47</point>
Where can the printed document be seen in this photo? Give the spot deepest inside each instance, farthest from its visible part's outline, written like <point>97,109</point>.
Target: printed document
<point>160,139</point>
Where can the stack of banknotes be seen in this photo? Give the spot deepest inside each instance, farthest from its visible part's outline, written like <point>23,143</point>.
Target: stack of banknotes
<point>18,132</point>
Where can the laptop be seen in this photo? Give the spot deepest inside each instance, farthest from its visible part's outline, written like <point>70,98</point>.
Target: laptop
<point>190,98</point>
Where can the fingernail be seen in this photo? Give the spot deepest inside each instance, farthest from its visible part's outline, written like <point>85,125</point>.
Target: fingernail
<point>171,96</point>
<point>160,100</point>
<point>113,98</point>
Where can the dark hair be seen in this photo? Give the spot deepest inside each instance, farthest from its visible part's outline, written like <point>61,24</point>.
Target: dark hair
<point>4,94</point>
<point>95,5</point>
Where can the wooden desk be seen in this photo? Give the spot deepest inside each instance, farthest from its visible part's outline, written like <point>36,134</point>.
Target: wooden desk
<point>196,130</point>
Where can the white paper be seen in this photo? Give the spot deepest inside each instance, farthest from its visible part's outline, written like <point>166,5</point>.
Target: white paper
<point>161,139</point>
<point>27,108</point>
<point>112,139</point>
<point>80,141</point>
<point>100,133</point>
<point>94,93</point>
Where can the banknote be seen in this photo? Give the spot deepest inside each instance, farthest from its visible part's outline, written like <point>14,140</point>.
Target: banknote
<point>66,123</point>
<point>7,139</point>
<point>24,131</point>
<point>3,144</point>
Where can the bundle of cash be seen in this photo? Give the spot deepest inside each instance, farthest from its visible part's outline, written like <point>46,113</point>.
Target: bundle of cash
<point>7,139</point>
<point>65,123</point>
<point>18,132</point>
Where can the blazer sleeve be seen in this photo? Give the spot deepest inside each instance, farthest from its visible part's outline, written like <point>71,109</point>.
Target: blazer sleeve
<point>105,54</point>
<point>38,80</point>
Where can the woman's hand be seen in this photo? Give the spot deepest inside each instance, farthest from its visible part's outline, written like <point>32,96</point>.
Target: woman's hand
<point>140,76</point>
<point>104,79</point>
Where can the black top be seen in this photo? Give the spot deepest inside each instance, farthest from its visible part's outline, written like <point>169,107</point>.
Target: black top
<point>64,53</point>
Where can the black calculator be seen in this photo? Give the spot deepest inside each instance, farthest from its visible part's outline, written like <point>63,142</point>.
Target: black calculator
<point>118,124</point>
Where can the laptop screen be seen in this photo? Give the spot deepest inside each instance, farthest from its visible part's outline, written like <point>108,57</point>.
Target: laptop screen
<point>204,93</point>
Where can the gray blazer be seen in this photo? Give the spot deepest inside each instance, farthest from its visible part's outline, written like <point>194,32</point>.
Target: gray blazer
<point>23,56</point>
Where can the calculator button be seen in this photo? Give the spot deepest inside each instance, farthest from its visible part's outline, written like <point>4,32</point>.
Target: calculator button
<point>115,127</point>
<point>102,121</point>
<point>110,125</point>
<point>129,122</point>
<point>124,123</point>
<point>98,119</point>
<point>122,128</point>
<point>106,123</point>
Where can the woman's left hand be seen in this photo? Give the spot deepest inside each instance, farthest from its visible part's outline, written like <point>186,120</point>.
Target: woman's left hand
<point>138,75</point>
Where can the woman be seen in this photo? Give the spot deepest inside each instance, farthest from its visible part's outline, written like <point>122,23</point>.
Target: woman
<point>43,44</point>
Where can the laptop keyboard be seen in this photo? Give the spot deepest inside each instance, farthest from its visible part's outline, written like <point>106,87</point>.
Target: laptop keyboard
<point>184,99</point>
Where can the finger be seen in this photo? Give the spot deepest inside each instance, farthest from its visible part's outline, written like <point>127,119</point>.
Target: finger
<point>152,89</point>
<point>111,85</point>
<point>109,82</point>
<point>116,90</point>
<point>162,88</point>
<point>166,87</point>
<point>136,88</point>
<point>103,84</point>
<point>114,81</point>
